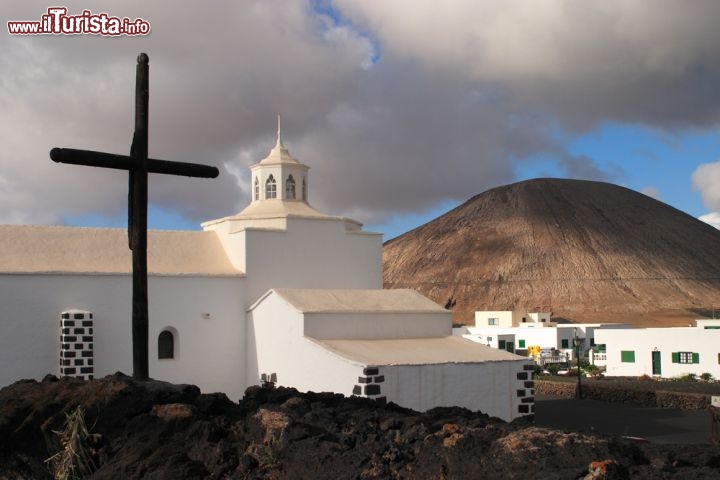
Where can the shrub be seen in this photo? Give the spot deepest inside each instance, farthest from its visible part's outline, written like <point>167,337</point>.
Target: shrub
<point>76,456</point>
<point>553,368</point>
<point>707,377</point>
<point>688,377</point>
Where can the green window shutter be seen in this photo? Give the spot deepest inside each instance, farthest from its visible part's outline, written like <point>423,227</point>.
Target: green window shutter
<point>675,357</point>
<point>501,344</point>
<point>627,356</point>
<point>564,343</point>
<point>696,357</point>
<point>521,343</point>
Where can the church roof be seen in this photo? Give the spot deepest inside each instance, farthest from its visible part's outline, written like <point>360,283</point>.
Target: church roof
<point>281,208</point>
<point>277,209</point>
<point>43,249</point>
<point>358,301</point>
<point>416,351</point>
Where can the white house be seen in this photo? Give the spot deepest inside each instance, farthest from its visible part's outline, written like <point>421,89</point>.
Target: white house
<point>663,352</point>
<point>512,318</point>
<point>521,332</point>
<point>278,288</point>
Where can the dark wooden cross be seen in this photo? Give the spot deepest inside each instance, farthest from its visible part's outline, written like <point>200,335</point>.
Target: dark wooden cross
<point>138,165</point>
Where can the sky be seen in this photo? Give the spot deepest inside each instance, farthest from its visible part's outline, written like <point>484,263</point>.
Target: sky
<point>403,109</point>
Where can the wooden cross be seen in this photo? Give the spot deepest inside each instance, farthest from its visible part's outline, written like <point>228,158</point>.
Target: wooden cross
<point>138,165</point>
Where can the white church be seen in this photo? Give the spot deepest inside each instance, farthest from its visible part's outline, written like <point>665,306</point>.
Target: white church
<point>279,291</point>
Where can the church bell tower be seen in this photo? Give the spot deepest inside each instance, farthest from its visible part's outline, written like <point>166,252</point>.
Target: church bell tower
<point>279,176</point>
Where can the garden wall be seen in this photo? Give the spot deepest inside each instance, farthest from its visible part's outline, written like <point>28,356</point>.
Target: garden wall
<point>644,394</point>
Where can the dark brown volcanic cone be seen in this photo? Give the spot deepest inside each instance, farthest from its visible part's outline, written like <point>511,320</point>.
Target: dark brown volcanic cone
<point>589,251</point>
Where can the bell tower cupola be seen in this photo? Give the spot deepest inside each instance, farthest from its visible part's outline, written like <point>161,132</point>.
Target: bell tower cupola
<point>279,194</point>
<point>279,176</point>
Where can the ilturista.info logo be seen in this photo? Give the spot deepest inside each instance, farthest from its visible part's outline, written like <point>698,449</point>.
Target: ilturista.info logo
<point>56,21</point>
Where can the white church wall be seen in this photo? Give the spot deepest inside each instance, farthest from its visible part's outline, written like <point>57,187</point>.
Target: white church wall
<point>30,344</point>
<point>311,254</point>
<point>503,389</point>
<point>377,325</point>
<point>499,389</point>
<point>234,245</point>
<point>276,345</point>
<point>207,317</point>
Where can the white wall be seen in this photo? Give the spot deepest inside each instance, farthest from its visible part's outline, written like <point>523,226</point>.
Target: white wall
<point>377,325</point>
<point>643,342</point>
<point>540,317</point>
<point>312,254</point>
<point>233,244</point>
<point>29,344</point>
<point>276,345</point>
<point>491,387</point>
<point>30,322</point>
<point>505,319</point>
<point>544,337</point>
<point>209,352</point>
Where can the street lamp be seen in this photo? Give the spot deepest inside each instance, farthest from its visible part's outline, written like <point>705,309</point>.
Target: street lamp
<point>576,342</point>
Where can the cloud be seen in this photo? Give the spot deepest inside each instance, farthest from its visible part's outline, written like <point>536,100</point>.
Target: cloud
<point>712,218</point>
<point>706,179</point>
<point>395,106</point>
<point>584,167</point>
<point>651,192</point>
<point>218,76</point>
<point>653,62</point>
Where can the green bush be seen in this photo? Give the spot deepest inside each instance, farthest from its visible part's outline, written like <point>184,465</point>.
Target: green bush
<point>707,377</point>
<point>553,368</point>
<point>688,377</point>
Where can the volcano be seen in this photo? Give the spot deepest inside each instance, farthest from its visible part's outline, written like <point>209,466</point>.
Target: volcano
<point>587,251</point>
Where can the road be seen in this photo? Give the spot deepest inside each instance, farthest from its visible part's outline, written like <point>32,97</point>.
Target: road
<point>657,425</point>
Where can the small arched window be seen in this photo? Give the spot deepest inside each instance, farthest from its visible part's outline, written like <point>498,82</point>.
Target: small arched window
<point>304,190</point>
<point>290,188</point>
<point>270,188</point>
<point>166,345</point>
<point>257,189</point>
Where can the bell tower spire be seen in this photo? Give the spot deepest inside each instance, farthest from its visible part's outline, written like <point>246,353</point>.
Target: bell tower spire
<point>279,143</point>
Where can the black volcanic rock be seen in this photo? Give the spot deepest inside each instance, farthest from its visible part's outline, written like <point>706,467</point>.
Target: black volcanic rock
<point>580,248</point>
<point>156,430</point>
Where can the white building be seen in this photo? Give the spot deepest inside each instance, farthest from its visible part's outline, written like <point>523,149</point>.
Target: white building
<point>520,332</point>
<point>663,352</point>
<point>279,288</point>
<point>512,318</point>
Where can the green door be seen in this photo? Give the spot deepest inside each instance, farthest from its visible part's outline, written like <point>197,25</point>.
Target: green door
<point>510,347</point>
<point>656,369</point>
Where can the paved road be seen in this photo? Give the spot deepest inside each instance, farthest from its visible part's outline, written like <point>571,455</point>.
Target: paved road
<point>658,425</point>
